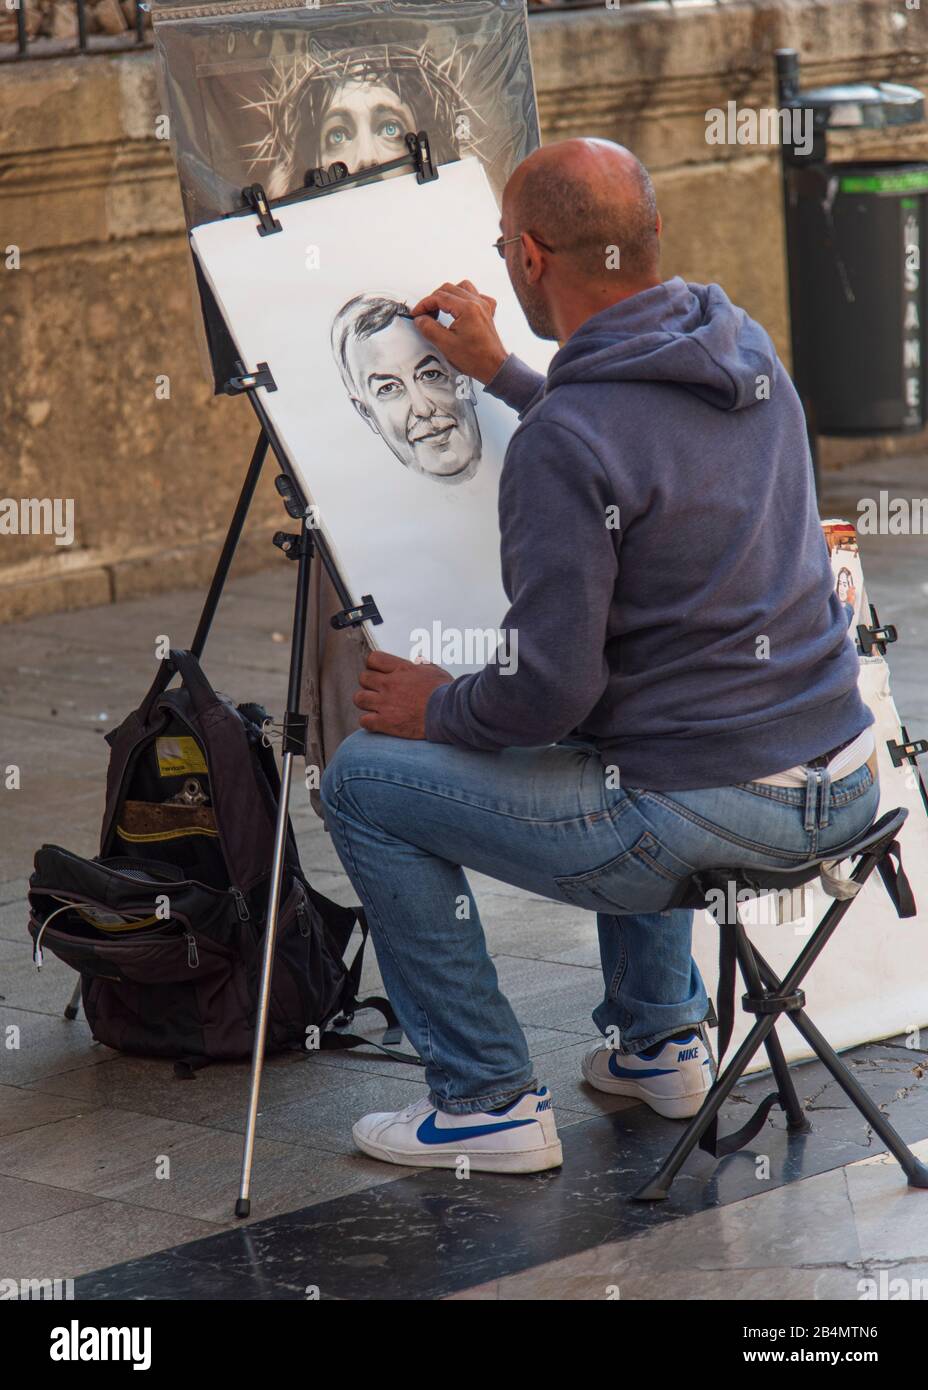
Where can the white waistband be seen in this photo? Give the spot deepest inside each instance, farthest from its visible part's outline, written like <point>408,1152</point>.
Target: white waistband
<point>845,762</point>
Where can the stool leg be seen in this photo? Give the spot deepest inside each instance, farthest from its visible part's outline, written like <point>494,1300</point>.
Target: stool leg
<point>916,1172</point>
<point>914,1169</point>
<point>659,1186</point>
<point>796,1119</point>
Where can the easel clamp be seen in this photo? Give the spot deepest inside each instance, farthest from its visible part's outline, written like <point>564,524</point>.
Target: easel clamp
<point>249,380</point>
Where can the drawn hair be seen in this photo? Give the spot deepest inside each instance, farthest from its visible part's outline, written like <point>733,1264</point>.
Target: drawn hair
<point>361,317</point>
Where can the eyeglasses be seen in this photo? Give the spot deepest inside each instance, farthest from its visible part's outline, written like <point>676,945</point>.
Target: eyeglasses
<point>501,242</point>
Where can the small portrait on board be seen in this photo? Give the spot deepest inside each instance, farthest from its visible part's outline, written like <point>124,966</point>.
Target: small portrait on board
<point>405,390</point>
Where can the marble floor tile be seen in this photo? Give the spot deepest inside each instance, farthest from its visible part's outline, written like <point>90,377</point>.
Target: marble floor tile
<point>22,986</point>
<point>24,1204</point>
<point>844,1235</point>
<point>22,1109</point>
<point>78,1241</point>
<point>118,1154</point>
<point>150,1086</point>
<point>891,1217</point>
<point>48,1045</point>
<point>324,1121</point>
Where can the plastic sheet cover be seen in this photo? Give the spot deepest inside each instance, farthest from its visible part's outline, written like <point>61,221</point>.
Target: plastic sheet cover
<point>262,92</point>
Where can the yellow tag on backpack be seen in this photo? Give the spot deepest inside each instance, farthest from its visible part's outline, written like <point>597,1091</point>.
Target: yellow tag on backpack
<point>178,756</point>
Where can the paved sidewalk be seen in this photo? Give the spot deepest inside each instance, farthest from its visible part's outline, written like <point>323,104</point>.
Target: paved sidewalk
<point>82,1128</point>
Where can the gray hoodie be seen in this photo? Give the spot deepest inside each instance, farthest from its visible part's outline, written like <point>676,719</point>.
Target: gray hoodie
<point>669,582</point>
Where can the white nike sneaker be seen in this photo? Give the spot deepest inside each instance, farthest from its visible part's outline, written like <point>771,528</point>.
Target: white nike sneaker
<point>520,1139</point>
<point>672,1077</point>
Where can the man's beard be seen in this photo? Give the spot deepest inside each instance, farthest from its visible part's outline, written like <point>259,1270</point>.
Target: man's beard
<point>532,305</point>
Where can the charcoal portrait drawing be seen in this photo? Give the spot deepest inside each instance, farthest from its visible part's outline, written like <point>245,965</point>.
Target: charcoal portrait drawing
<point>405,390</point>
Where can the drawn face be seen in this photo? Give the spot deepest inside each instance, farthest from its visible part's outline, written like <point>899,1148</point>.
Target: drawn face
<point>364,125</point>
<point>407,392</point>
<point>844,585</point>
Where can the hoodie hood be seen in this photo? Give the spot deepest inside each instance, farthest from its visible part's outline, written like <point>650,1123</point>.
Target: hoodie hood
<point>689,335</point>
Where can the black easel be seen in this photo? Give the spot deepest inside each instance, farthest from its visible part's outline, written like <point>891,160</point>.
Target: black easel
<point>300,547</point>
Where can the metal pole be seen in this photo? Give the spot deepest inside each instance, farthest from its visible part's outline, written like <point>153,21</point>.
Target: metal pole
<point>243,1204</point>
<point>297,646</point>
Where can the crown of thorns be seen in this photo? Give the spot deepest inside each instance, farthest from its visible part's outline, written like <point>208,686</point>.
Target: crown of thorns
<point>280,99</point>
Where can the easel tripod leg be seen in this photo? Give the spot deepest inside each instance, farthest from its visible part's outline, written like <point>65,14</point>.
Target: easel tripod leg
<point>243,1205</point>
<point>294,743</point>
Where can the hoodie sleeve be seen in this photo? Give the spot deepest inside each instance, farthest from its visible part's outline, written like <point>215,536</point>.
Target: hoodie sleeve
<point>516,384</point>
<point>560,562</point>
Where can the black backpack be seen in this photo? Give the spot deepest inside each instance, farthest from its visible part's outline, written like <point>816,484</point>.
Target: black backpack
<point>166,925</point>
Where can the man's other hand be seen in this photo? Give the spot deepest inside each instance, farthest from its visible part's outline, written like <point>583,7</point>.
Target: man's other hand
<point>394,693</point>
<point>471,343</point>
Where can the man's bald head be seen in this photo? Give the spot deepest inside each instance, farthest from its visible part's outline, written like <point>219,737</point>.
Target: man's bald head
<point>583,196</point>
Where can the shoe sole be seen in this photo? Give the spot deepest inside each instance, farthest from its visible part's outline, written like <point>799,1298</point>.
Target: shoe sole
<point>524,1161</point>
<point>671,1107</point>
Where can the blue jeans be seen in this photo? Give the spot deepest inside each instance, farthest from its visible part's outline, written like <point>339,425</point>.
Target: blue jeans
<point>405,815</point>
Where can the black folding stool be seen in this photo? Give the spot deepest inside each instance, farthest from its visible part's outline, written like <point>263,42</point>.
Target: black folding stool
<point>767,997</point>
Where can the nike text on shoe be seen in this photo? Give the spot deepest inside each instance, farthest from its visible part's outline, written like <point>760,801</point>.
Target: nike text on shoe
<point>520,1138</point>
<point>672,1077</point>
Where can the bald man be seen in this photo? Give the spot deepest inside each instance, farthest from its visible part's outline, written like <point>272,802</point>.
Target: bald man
<point>686,690</point>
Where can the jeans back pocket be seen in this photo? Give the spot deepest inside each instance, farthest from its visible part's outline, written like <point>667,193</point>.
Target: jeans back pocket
<point>633,881</point>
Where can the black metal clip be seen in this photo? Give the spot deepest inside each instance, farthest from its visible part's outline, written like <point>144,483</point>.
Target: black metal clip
<point>324,178</point>
<point>247,381</point>
<point>773,1003</point>
<point>908,750</point>
<point>365,612</point>
<point>288,543</point>
<point>294,734</point>
<point>291,498</point>
<point>421,151</point>
<point>876,637</point>
<point>256,198</point>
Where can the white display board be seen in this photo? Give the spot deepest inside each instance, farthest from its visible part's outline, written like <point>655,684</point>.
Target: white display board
<point>399,453</point>
<point>871,980</point>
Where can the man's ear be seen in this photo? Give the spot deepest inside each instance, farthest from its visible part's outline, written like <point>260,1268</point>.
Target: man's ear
<point>364,413</point>
<point>532,258</point>
<point>658,226</point>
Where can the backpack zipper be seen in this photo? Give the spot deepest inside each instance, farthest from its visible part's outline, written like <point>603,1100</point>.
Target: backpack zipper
<point>193,956</point>
<point>241,906</point>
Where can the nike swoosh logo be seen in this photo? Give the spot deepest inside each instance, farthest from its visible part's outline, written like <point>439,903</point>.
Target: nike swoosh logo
<point>636,1073</point>
<point>429,1133</point>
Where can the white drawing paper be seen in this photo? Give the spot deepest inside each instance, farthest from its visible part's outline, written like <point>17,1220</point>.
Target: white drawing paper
<point>400,453</point>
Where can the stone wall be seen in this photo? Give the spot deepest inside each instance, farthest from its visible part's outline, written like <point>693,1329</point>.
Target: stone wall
<point>101,308</point>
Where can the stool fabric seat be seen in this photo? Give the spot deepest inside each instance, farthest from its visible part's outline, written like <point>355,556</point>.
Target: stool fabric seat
<point>692,892</point>
<point>767,996</point>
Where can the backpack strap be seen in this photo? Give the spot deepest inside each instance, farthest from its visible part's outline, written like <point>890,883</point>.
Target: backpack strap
<point>182,663</point>
<point>336,1039</point>
<point>186,1068</point>
<point>895,881</point>
<point>710,1142</point>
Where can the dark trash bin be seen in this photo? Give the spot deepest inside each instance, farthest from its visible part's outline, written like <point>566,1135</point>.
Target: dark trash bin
<point>855,234</point>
